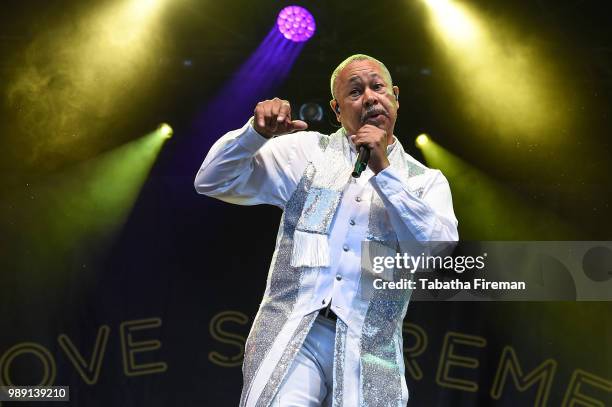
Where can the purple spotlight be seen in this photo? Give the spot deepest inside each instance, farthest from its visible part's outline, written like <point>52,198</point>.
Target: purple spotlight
<point>296,23</point>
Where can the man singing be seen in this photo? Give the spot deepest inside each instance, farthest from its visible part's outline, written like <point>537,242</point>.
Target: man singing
<point>323,334</point>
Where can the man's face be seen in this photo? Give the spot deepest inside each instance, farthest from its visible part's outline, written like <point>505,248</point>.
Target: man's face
<point>365,96</point>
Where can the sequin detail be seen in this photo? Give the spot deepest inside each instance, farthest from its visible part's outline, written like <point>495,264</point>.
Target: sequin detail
<point>319,210</point>
<point>379,224</point>
<point>292,348</point>
<point>339,353</point>
<point>334,163</point>
<point>311,248</point>
<point>414,168</point>
<point>323,141</point>
<point>381,356</point>
<point>281,292</point>
<point>380,372</point>
<point>419,192</point>
<point>400,362</point>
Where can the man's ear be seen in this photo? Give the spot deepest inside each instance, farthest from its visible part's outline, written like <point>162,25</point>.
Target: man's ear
<point>336,108</point>
<point>396,93</point>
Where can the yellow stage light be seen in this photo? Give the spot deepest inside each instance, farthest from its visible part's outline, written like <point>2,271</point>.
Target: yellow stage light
<point>453,21</point>
<point>422,140</point>
<point>165,130</point>
<point>142,8</point>
<point>99,66</point>
<point>504,83</point>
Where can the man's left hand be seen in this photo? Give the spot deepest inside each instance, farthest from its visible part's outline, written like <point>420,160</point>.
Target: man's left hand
<point>376,140</point>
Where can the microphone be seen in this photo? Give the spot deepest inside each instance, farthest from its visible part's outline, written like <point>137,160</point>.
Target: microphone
<point>362,161</point>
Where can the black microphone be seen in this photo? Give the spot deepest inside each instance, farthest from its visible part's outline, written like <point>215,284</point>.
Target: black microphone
<point>362,161</point>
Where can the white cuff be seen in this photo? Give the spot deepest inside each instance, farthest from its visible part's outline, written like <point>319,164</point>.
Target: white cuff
<point>250,139</point>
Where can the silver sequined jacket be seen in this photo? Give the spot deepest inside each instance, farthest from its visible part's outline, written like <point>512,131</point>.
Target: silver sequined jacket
<point>414,202</point>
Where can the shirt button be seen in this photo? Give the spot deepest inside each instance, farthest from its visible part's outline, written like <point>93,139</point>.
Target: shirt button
<point>323,302</point>
<point>352,222</point>
<point>338,277</point>
<point>383,183</point>
<point>358,199</point>
<point>345,248</point>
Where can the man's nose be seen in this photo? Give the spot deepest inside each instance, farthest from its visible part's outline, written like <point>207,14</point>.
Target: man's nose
<point>369,97</point>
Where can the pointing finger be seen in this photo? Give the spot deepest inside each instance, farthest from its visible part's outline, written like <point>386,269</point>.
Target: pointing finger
<point>298,125</point>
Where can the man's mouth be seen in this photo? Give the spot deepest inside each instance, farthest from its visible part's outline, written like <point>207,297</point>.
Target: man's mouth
<point>374,116</point>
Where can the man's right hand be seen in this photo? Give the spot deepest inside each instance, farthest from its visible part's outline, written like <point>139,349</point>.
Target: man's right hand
<point>273,118</point>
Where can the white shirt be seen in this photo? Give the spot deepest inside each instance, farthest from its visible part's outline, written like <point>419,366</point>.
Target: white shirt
<point>245,168</point>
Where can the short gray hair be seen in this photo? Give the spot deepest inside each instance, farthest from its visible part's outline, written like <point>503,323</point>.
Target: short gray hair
<point>351,59</point>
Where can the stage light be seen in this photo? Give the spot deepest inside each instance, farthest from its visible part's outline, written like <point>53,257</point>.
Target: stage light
<point>507,87</point>
<point>454,21</point>
<point>260,75</point>
<point>165,130</point>
<point>422,140</point>
<point>296,23</point>
<point>142,8</point>
<point>311,112</point>
<point>483,202</point>
<point>74,77</point>
<point>82,206</point>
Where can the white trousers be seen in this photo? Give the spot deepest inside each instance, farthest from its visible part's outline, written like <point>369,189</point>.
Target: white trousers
<point>309,381</point>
